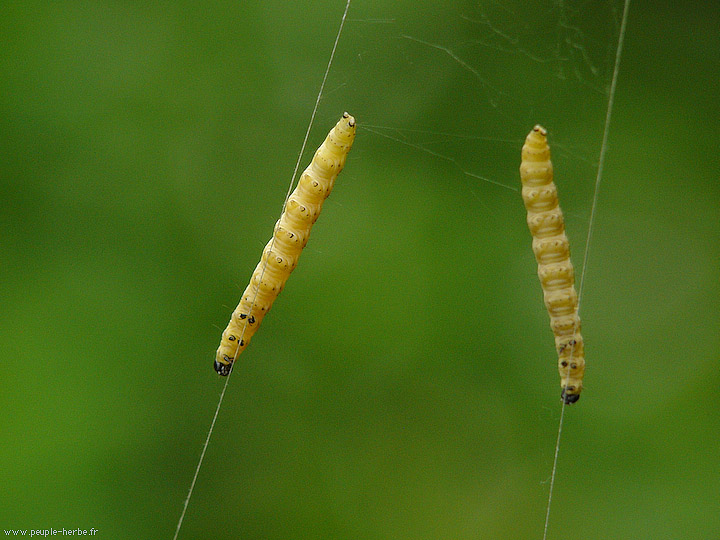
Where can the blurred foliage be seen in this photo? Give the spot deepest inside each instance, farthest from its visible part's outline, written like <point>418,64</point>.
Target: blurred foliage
<point>404,385</point>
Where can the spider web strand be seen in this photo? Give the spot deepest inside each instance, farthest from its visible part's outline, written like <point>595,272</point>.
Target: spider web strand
<point>591,226</point>
<point>252,305</point>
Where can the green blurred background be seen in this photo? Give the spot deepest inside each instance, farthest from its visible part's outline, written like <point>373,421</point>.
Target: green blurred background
<point>404,385</point>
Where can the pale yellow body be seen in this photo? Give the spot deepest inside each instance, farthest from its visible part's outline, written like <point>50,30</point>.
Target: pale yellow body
<point>292,230</point>
<point>552,252</point>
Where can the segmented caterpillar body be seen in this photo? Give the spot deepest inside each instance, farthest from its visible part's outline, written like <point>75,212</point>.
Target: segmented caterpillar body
<point>280,255</point>
<point>552,252</point>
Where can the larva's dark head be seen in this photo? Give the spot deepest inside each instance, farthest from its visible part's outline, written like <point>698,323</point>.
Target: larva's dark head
<point>223,369</point>
<point>569,395</point>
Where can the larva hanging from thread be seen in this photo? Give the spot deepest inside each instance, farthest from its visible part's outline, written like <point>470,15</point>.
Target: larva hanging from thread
<point>280,255</point>
<point>552,252</point>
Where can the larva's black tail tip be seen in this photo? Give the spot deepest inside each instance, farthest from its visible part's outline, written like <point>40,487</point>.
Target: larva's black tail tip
<point>569,399</point>
<point>223,369</point>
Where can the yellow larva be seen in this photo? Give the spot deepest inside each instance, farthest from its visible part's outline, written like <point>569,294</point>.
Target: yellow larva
<point>280,255</point>
<point>552,252</point>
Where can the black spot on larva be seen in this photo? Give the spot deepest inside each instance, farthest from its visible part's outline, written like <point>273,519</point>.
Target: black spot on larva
<point>242,316</point>
<point>232,338</point>
<point>564,363</point>
<point>242,342</point>
<point>570,343</point>
<point>251,320</point>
